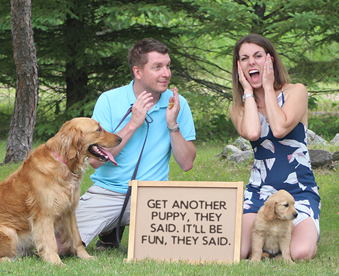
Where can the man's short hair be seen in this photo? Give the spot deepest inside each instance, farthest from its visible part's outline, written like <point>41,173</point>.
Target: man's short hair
<point>137,54</point>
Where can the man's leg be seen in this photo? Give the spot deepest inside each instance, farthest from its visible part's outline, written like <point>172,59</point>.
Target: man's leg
<point>98,212</point>
<point>109,240</point>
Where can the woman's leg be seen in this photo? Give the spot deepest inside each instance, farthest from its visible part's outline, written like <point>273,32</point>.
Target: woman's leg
<point>304,240</point>
<point>246,242</point>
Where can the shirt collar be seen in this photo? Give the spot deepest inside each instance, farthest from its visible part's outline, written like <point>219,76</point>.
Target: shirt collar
<point>162,103</point>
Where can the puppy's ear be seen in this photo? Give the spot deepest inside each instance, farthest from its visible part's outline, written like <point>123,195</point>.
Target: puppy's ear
<point>269,209</point>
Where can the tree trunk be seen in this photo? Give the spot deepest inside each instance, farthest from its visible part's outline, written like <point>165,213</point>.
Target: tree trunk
<point>20,137</point>
<point>76,76</point>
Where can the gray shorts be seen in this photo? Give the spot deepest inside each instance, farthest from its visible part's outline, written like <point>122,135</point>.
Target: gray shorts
<point>98,212</point>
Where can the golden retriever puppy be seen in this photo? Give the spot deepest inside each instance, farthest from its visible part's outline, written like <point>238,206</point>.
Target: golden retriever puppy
<point>38,201</point>
<point>272,227</point>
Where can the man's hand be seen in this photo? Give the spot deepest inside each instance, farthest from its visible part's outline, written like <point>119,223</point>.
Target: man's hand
<point>173,109</point>
<point>142,104</point>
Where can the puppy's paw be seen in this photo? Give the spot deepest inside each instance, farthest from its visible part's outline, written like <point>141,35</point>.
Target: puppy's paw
<point>255,260</point>
<point>265,255</point>
<point>289,260</point>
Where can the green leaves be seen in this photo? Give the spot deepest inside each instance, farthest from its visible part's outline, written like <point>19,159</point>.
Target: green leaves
<point>90,38</point>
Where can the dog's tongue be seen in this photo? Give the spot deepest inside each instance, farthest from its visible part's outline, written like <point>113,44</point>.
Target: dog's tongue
<point>109,155</point>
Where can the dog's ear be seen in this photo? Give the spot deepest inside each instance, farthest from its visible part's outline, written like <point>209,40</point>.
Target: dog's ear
<point>69,140</point>
<point>73,142</point>
<point>269,209</point>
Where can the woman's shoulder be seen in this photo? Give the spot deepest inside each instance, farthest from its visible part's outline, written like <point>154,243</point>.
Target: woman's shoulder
<point>296,89</point>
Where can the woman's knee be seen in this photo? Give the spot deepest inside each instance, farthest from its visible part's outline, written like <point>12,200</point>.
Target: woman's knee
<point>303,252</point>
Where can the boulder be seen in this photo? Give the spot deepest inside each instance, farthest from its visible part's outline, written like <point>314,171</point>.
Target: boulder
<point>320,158</point>
<point>335,140</point>
<point>314,139</point>
<point>241,157</point>
<point>335,156</point>
<point>242,144</point>
<point>227,151</point>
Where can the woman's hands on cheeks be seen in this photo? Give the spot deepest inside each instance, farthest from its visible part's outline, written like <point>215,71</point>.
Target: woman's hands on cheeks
<point>243,81</point>
<point>268,74</point>
<point>172,113</point>
<point>142,104</point>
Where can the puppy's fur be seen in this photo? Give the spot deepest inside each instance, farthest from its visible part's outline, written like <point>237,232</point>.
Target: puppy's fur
<point>38,201</point>
<point>272,227</point>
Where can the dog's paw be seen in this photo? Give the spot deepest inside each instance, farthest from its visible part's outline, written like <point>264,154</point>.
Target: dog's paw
<point>6,259</point>
<point>87,257</point>
<point>91,258</point>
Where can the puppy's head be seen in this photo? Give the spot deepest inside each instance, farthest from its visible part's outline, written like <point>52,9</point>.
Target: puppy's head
<point>280,206</point>
<point>81,137</point>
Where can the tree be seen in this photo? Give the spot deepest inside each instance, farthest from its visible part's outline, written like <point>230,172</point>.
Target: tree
<point>20,138</point>
<point>82,48</point>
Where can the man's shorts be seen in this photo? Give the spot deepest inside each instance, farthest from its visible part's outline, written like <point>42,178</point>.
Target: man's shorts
<point>98,212</point>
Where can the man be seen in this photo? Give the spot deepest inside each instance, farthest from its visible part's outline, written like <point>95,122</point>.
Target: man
<point>171,129</point>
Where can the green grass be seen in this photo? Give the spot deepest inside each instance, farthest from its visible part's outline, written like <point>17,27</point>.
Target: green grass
<point>206,168</point>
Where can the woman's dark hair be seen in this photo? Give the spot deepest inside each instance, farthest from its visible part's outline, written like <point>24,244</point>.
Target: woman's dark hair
<point>281,76</point>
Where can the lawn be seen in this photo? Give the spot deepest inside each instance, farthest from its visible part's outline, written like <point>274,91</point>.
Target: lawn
<point>207,168</point>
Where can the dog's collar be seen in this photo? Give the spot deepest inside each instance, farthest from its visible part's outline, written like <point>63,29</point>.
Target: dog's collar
<point>277,218</point>
<point>58,156</point>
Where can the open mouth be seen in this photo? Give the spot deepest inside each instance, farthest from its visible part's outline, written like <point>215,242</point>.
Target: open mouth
<point>101,154</point>
<point>254,74</point>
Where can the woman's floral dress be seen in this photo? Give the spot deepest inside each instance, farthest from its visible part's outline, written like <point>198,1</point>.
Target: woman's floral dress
<point>283,164</point>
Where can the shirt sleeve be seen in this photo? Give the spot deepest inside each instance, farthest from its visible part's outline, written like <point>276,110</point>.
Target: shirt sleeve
<point>102,112</point>
<point>185,121</point>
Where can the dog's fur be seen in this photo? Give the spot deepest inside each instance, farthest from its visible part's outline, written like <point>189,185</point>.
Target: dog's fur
<point>38,201</point>
<point>272,227</point>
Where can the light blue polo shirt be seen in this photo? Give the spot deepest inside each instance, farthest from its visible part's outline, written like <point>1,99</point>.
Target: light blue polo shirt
<point>108,111</point>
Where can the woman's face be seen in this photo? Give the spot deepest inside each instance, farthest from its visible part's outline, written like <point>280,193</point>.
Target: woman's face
<point>252,59</point>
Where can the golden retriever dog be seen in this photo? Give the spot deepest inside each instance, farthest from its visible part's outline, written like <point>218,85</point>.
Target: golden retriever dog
<point>272,227</point>
<point>38,201</point>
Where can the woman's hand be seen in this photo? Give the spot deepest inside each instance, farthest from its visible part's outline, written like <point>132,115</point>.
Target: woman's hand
<point>243,81</point>
<point>268,74</point>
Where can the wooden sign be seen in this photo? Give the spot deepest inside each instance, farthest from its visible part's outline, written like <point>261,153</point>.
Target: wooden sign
<point>195,221</point>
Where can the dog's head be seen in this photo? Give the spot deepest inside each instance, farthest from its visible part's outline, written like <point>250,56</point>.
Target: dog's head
<point>280,206</point>
<point>84,137</point>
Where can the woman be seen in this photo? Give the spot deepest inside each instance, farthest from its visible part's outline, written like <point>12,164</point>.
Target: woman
<point>272,114</point>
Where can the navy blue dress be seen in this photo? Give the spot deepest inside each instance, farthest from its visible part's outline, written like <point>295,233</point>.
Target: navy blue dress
<point>283,164</point>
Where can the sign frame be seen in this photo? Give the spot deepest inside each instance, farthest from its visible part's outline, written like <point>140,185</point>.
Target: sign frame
<point>236,188</point>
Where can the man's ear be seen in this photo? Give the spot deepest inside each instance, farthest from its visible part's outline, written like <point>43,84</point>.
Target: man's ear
<point>137,72</point>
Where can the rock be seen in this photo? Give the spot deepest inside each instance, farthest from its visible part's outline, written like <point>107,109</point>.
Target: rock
<point>320,158</point>
<point>314,139</point>
<point>335,156</point>
<point>228,150</point>
<point>241,156</point>
<point>242,144</point>
<point>335,140</point>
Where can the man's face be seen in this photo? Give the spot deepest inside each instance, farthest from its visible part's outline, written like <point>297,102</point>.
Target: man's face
<point>156,73</point>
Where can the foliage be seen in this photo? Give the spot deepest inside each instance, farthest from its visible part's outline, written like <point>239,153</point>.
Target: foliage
<point>82,48</point>
<point>6,110</point>
<point>323,119</point>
